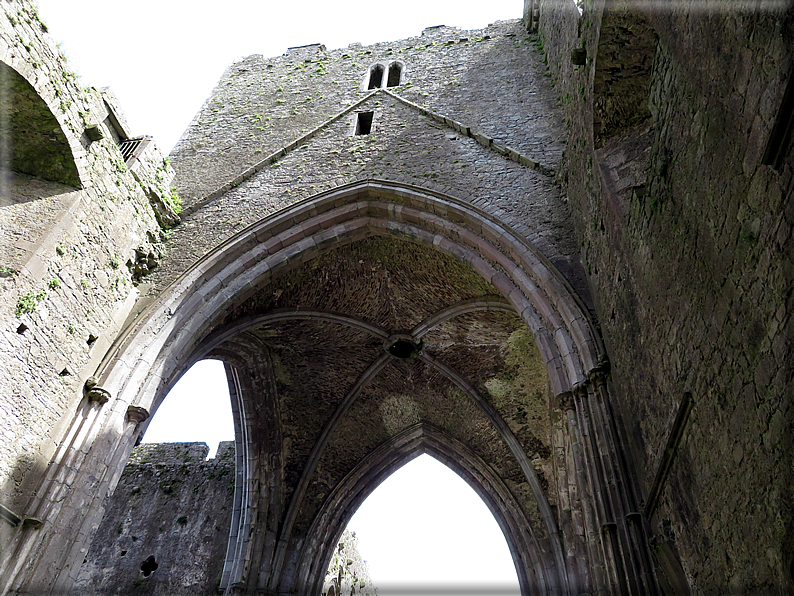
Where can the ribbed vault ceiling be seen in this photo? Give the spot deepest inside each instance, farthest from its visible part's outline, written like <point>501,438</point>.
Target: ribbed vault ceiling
<point>346,302</point>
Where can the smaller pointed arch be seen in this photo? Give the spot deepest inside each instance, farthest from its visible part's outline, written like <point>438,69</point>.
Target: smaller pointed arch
<point>375,77</point>
<point>395,74</point>
<point>460,539</point>
<point>535,568</point>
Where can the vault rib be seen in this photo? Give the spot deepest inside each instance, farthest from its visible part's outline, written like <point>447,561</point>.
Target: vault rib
<point>518,452</point>
<point>278,315</point>
<point>461,308</point>
<point>314,458</point>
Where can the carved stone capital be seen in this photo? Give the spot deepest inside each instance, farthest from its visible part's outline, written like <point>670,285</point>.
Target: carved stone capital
<point>609,528</point>
<point>566,401</point>
<point>94,392</point>
<point>33,523</point>
<point>137,414</point>
<point>634,517</point>
<point>599,375</point>
<point>580,389</point>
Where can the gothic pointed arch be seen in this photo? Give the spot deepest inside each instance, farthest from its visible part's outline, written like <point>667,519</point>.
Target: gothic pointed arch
<point>535,568</point>
<point>226,306</point>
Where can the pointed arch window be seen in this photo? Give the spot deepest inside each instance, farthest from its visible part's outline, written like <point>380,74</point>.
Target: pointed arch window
<point>395,73</point>
<point>375,77</point>
<point>383,74</point>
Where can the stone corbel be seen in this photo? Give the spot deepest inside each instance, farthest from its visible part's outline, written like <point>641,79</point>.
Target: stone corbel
<point>580,389</point>
<point>600,374</point>
<point>137,414</point>
<point>94,392</point>
<point>32,522</point>
<point>609,528</point>
<point>566,401</point>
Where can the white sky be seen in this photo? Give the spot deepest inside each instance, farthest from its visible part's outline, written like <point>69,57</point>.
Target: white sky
<point>162,58</point>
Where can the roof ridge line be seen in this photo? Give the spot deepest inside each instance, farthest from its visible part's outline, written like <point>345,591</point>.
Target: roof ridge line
<point>482,139</point>
<point>270,159</point>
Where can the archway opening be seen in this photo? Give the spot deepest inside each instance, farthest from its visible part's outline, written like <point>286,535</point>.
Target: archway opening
<point>425,528</point>
<point>171,511</point>
<point>32,140</point>
<point>197,409</point>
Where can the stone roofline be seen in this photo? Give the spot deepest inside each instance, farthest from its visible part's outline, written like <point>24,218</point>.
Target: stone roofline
<point>433,31</point>
<point>482,139</point>
<point>179,453</point>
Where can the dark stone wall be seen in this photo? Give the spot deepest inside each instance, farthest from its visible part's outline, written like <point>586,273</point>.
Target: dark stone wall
<point>686,237</point>
<point>172,505</point>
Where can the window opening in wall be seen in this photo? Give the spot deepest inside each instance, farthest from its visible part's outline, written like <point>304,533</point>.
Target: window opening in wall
<point>394,74</point>
<point>149,566</point>
<point>364,123</point>
<point>424,526</point>
<point>375,77</point>
<point>197,409</point>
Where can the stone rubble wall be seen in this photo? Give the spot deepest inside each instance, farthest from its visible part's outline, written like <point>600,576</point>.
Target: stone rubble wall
<point>686,237</point>
<point>172,505</point>
<point>65,291</point>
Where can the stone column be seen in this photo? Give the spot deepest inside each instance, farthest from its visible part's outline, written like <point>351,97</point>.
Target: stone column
<point>68,487</point>
<point>634,546</point>
<point>592,578</point>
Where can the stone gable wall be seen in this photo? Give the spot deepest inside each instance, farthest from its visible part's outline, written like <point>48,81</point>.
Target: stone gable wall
<point>477,121</point>
<point>484,79</point>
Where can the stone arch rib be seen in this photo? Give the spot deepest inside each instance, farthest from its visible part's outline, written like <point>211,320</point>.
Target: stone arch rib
<point>535,570</point>
<point>175,328</point>
<point>565,335</point>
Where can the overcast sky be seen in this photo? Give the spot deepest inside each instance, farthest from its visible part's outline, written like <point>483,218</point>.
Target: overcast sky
<point>162,58</point>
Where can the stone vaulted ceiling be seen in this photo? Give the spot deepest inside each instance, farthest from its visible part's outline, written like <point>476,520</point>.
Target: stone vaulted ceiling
<point>340,313</point>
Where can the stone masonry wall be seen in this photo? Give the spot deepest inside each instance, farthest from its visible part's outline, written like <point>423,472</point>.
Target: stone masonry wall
<point>484,79</point>
<point>64,289</point>
<point>686,237</point>
<point>472,117</point>
<point>170,505</point>
<point>347,572</point>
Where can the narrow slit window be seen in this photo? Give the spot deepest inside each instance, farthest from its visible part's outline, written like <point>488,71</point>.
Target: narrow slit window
<point>395,70</point>
<point>375,77</point>
<point>364,123</point>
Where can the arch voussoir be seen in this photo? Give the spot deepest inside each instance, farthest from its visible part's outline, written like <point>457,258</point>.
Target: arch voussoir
<point>192,317</point>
